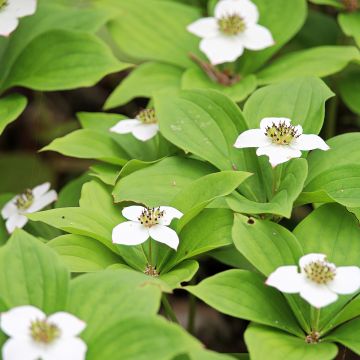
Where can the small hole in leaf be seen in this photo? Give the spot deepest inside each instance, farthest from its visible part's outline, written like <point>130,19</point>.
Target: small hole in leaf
<point>63,217</point>
<point>251,221</point>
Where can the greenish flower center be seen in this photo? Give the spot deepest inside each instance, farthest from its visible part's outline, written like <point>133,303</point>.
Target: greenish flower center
<point>44,332</point>
<point>231,24</point>
<point>147,116</point>
<point>25,200</point>
<point>150,217</point>
<point>320,272</point>
<point>281,134</point>
<point>3,3</point>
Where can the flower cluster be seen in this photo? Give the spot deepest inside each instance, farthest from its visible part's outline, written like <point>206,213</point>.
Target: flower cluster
<point>319,282</point>
<point>33,335</point>
<point>233,28</point>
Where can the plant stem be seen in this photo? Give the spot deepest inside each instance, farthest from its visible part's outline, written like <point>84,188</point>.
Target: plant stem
<point>150,255</point>
<point>330,124</point>
<point>169,312</point>
<point>191,314</point>
<point>315,319</point>
<point>274,181</point>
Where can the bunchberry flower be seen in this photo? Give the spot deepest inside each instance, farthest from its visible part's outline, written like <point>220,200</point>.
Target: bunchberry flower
<point>35,336</point>
<point>14,211</point>
<point>233,28</point>
<point>147,222</point>
<point>279,140</point>
<point>318,282</point>
<point>144,127</point>
<point>11,11</point>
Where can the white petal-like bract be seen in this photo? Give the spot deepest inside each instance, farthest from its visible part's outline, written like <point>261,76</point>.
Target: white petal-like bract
<point>165,235</point>
<point>21,345</point>
<point>11,11</point>
<point>319,282</point>
<point>129,233</point>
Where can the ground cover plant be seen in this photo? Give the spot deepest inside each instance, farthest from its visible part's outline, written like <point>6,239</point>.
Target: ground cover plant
<point>180,179</point>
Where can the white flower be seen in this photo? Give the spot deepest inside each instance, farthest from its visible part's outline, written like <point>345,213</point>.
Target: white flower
<point>14,211</point>
<point>279,140</point>
<point>35,336</point>
<point>318,282</point>
<point>233,28</point>
<point>11,10</point>
<point>144,127</point>
<point>145,223</point>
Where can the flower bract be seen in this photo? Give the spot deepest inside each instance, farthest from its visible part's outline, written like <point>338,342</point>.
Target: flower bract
<point>144,127</point>
<point>279,140</point>
<point>319,282</point>
<point>233,28</point>
<point>14,211</point>
<point>147,222</point>
<point>11,11</point>
<point>33,335</point>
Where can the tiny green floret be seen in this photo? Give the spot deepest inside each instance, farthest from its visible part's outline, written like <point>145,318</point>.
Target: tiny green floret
<point>25,200</point>
<point>320,272</point>
<point>231,24</point>
<point>3,3</point>
<point>44,332</point>
<point>147,116</point>
<point>150,217</point>
<point>281,134</point>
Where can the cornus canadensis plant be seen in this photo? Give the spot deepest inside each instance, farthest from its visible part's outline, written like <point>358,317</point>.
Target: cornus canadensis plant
<point>33,335</point>
<point>234,28</point>
<point>144,223</point>
<point>319,281</point>
<point>143,127</point>
<point>11,11</point>
<point>279,140</point>
<point>32,200</point>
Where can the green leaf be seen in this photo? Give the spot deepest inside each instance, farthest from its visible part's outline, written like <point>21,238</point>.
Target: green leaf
<point>32,274</point>
<point>334,175</point>
<point>350,24</point>
<point>89,144</point>
<point>83,254</point>
<point>158,184</point>
<point>11,108</point>
<point>98,197</point>
<point>197,195</point>
<point>79,221</point>
<point>138,337</point>
<point>81,60</point>
<point>207,123</point>
<point>210,230</point>
<point>347,335</point>
<point>301,100</point>
<point>49,16</point>
<point>143,81</point>
<point>350,311</point>
<point>136,294</point>
<point>284,19</point>
<point>265,244</point>
<point>243,294</point>
<point>148,30</point>
<point>266,343</point>
<point>349,88</point>
<point>320,61</point>
<point>107,173</point>
<point>210,355</point>
<point>70,194</point>
<point>292,178</point>
<point>183,272</point>
<point>197,79</point>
